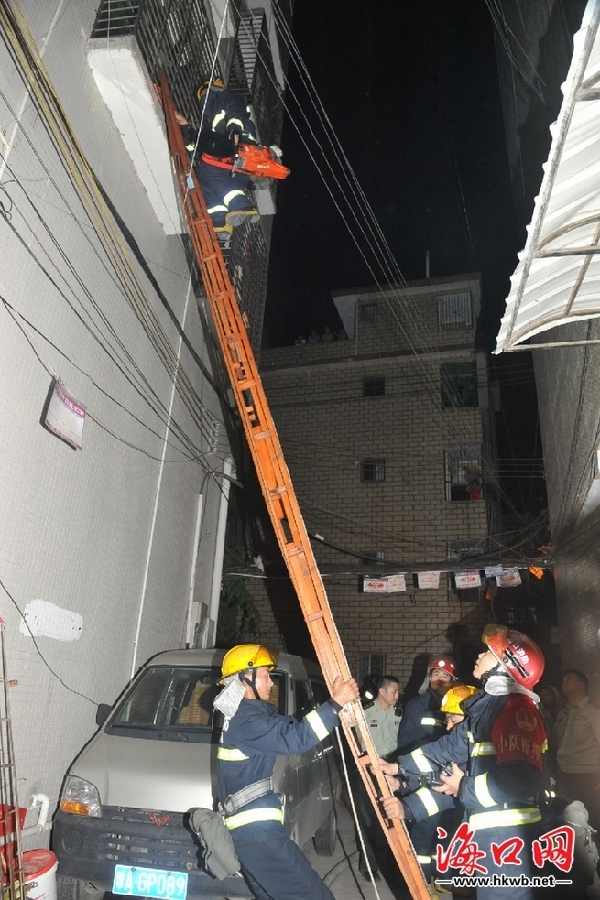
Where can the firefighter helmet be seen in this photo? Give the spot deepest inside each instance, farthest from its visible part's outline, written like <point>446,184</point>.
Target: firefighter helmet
<point>445,663</point>
<point>452,699</point>
<point>216,84</point>
<point>248,656</point>
<point>517,653</point>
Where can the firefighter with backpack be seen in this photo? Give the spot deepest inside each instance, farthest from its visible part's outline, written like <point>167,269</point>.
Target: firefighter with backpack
<point>254,734</point>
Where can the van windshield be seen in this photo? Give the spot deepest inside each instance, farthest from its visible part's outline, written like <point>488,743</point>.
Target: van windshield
<point>174,703</point>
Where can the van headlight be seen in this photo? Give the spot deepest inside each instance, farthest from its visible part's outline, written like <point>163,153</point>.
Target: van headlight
<point>80,798</point>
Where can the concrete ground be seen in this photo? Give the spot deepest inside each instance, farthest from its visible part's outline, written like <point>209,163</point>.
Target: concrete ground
<point>350,884</point>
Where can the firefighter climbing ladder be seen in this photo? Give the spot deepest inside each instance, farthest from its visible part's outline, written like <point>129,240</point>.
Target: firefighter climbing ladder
<point>276,484</point>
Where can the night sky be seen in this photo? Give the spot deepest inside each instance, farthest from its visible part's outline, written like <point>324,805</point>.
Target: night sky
<point>412,94</point>
<point>411,89</point>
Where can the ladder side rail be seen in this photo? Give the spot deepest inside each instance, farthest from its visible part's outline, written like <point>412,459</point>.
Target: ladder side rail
<point>277,487</point>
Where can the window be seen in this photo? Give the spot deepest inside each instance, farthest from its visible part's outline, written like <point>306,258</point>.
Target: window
<point>373,387</point>
<point>455,311</point>
<point>304,699</point>
<point>521,615</point>
<point>371,664</point>
<point>168,700</point>
<point>372,470</point>
<point>368,312</point>
<point>463,473</point>
<point>465,548</point>
<point>459,384</point>
<point>375,558</point>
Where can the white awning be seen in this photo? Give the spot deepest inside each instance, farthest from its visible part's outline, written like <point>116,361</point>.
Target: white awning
<point>557,279</point>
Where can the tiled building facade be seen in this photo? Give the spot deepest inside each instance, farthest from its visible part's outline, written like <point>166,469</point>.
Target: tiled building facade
<point>384,435</point>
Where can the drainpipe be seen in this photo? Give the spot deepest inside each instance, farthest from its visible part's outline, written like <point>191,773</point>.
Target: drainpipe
<point>191,623</point>
<point>138,627</point>
<point>209,634</point>
<point>43,801</point>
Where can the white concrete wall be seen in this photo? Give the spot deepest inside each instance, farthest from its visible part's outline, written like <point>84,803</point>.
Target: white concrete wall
<point>105,532</point>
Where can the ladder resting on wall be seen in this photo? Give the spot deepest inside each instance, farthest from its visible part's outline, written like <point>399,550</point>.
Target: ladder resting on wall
<point>277,487</point>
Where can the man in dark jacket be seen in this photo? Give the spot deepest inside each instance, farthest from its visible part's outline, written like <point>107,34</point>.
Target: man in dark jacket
<point>497,769</point>
<point>225,123</point>
<point>252,738</point>
<point>423,722</point>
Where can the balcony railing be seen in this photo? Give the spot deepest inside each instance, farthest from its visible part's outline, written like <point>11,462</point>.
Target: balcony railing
<point>179,37</point>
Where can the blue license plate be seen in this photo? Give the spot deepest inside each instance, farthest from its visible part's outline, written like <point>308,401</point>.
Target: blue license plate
<point>138,882</point>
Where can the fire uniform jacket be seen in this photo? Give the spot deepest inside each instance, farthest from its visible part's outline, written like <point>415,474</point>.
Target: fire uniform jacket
<point>501,745</point>
<point>247,753</point>
<point>421,723</point>
<point>225,112</point>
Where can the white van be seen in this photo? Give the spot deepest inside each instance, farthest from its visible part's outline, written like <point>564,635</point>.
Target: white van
<point>126,799</point>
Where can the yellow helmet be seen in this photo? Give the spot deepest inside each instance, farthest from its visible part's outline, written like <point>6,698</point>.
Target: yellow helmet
<point>248,656</point>
<point>452,700</point>
<point>216,84</point>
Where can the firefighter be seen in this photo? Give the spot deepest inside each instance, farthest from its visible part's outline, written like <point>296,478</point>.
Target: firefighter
<point>452,702</point>
<point>422,723</point>
<point>494,761</point>
<point>253,736</point>
<point>225,123</point>
<point>422,720</point>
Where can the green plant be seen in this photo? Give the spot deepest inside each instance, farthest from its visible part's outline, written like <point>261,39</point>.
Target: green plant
<point>239,618</point>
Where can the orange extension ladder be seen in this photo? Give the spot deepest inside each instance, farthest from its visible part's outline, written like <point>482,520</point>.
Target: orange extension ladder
<point>277,487</point>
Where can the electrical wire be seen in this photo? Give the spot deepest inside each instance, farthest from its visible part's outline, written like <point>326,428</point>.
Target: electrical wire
<point>37,647</point>
<point>169,358</point>
<point>395,277</point>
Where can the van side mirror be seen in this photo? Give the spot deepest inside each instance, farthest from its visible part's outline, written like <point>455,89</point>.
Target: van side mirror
<point>102,713</point>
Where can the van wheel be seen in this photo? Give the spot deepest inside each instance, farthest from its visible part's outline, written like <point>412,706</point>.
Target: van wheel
<point>326,835</point>
<point>74,889</point>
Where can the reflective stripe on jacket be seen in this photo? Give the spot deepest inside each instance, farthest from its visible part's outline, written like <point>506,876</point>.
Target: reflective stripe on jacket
<point>250,745</point>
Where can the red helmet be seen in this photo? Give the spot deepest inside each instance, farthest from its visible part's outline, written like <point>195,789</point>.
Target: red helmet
<point>517,653</point>
<point>444,663</point>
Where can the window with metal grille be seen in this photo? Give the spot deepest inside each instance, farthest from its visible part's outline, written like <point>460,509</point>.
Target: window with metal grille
<point>115,18</point>
<point>371,664</point>
<point>455,311</point>
<point>368,312</point>
<point>463,472</point>
<point>373,387</point>
<point>372,470</point>
<point>374,558</point>
<point>459,384</point>
<point>521,615</point>
<point>465,548</point>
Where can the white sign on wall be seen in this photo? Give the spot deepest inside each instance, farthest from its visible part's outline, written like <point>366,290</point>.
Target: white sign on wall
<point>429,580</point>
<point>509,578</point>
<point>467,579</point>
<point>65,417</point>
<point>386,584</point>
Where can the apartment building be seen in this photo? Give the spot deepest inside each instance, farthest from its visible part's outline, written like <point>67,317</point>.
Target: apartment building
<point>389,439</point>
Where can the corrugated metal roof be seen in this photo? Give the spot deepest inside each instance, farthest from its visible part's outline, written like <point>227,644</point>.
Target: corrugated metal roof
<point>557,279</point>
